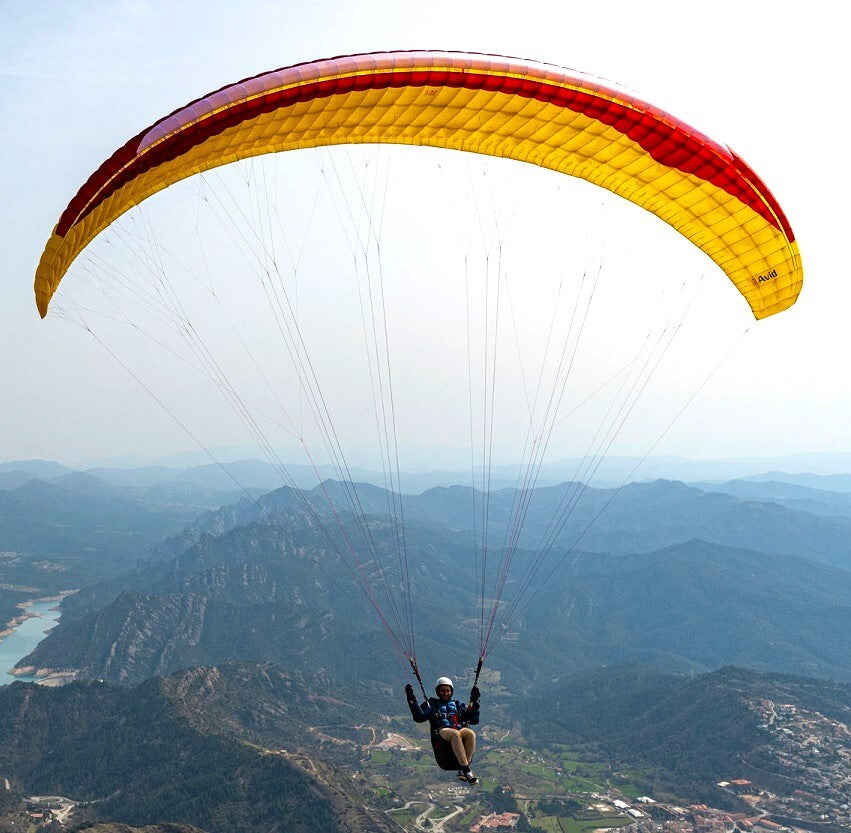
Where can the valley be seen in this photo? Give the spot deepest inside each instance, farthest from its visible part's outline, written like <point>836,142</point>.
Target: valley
<point>666,690</point>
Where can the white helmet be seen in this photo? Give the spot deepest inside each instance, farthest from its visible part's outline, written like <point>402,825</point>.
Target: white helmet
<point>443,681</point>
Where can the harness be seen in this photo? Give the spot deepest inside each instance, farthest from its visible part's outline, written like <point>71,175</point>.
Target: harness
<point>447,713</point>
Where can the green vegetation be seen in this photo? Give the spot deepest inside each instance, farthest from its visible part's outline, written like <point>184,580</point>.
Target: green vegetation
<point>586,825</point>
<point>404,818</point>
<point>107,827</point>
<point>501,801</point>
<point>628,788</point>
<point>540,771</point>
<point>561,815</point>
<point>472,814</point>
<point>559,806</point>
<point>549,824</point>
<point>9,601</point>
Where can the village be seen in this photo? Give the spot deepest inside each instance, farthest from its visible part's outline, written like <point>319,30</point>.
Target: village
<point>441,811</point>
<point>813,752</point>
<point>642,814</point>
<point>808,753</point>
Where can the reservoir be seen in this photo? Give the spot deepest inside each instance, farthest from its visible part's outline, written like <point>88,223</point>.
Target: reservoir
<point>25,637</point>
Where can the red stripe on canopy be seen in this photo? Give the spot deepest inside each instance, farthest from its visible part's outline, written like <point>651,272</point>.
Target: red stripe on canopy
<point>666,139</point>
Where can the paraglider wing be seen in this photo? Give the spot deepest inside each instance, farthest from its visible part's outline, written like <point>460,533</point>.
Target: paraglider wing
<point>504,107</point>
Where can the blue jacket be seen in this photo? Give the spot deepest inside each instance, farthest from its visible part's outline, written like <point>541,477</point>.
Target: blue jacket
<point>451,715</point>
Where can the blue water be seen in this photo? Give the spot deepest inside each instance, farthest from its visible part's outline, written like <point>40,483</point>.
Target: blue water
<point>25,637</point>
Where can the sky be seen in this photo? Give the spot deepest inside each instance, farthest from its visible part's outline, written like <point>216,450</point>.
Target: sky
<point>79,78</point>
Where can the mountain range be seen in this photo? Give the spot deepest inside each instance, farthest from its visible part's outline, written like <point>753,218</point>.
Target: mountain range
<point>276,591</point>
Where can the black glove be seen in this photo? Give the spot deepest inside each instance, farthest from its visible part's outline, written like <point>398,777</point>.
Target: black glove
<point>409,693</point>
<point>474,695</point>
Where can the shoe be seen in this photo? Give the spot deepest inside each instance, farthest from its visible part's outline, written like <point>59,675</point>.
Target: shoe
<point>470,778</point>
<point>461,776</point>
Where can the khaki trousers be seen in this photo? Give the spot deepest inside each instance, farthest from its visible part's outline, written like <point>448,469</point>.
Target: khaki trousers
<point>463,743</point>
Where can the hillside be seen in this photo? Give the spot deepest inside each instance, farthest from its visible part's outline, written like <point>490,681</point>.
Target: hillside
<point>153,754</point>
<point>39,469</point>
<point>692,733</point>
<point>10,598</point>
<point>255,593</point>
<point>700,606</point>
<point>153,828</point>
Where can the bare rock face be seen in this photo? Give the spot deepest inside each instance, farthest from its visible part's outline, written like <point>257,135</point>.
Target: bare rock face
<point>134,638</point>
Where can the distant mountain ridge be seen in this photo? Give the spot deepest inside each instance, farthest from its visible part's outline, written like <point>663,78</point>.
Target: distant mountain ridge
<point>231,585</point>
<point>207,486</point>
<point>815,501</point>
<point>827,471</point>
<point>829,482</point>
<point>43,469</point>
<point>641,517</point>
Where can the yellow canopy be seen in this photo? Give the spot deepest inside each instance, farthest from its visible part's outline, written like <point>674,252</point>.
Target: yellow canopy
<point>485,104</point>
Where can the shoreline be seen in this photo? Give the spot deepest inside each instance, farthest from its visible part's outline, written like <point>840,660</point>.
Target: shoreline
<point>47,676</point>
<point>17,621</point>
<point>50,677</point>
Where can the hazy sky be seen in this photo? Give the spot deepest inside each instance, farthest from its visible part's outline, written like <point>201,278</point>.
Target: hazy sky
<point>78,78</point>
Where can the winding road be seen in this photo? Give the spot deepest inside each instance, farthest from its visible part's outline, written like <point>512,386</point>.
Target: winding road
<point>423,821</point>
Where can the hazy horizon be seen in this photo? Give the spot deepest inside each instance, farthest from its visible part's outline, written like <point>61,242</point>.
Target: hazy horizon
<point>613,471</point>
